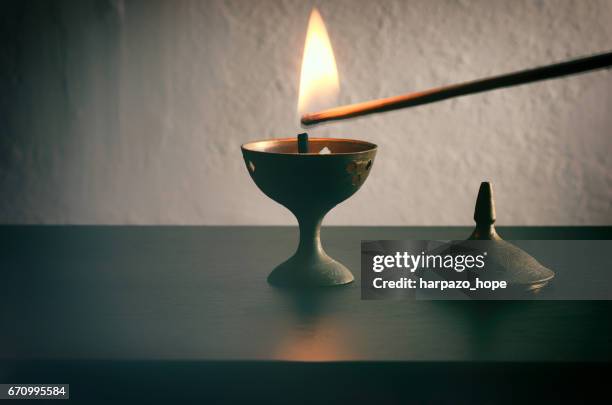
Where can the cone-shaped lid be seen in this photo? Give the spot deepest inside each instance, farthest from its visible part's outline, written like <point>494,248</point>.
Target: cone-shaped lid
<point>512,264</point>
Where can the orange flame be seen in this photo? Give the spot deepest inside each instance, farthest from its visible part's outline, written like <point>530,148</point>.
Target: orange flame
<point>319,85</point>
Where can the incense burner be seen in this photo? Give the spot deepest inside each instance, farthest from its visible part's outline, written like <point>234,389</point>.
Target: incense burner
<point>309,185</point>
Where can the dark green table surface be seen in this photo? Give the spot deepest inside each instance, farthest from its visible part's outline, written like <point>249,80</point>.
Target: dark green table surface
<point>94,295</point>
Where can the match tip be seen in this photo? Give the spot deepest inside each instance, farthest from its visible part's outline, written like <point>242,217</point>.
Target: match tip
<point>306,120</point>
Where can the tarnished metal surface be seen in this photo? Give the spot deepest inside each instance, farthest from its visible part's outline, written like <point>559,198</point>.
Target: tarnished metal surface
<point>309,185</point>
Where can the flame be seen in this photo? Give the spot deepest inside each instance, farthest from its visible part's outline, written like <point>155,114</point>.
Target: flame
<point>319,83</point>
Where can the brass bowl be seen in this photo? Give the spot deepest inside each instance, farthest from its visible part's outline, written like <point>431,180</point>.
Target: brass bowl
<point>309,185</point>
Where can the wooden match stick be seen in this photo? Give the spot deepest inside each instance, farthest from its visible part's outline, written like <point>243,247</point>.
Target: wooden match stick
<point>442,93</point>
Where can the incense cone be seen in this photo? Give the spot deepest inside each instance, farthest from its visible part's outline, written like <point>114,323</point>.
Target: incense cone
<point>302,140</point>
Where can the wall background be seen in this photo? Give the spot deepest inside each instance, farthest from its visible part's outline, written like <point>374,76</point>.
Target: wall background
<point>133,112</point>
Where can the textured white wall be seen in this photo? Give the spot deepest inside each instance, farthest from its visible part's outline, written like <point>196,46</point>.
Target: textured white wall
<point>134,112</point>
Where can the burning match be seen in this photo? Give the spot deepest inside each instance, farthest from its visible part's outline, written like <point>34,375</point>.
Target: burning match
<point>571,67</point>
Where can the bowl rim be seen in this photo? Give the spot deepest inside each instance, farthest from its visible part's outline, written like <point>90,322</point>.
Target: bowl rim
<point>370,147</point>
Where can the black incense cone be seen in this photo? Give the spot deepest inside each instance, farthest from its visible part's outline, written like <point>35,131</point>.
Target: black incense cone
<point>302,143</point>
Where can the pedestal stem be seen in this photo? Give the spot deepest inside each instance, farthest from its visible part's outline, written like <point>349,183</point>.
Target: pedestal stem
<point>310,266</point>
<point>310,237</point>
